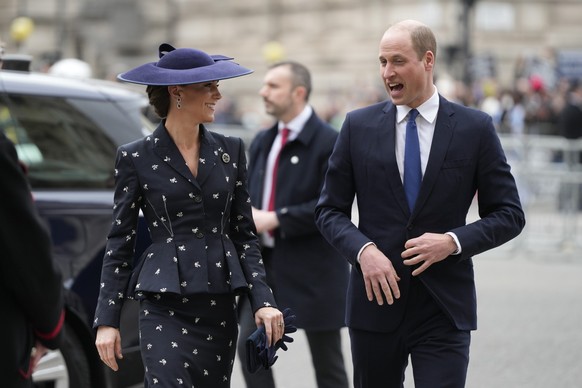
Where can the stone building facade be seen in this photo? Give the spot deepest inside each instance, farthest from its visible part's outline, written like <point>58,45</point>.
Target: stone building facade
<point>336,39</point>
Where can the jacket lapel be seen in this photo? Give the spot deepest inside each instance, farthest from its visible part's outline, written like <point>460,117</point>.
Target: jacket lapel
<point>387,138</point>
<point>166,149</point>
<point>443,133</point>
<point>209,153</point>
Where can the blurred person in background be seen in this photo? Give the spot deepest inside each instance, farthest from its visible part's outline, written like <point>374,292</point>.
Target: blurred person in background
<point>287,165</point>
<point>30,285</point>
<point>190,184</point>
<point>570,127</point>
<point>415,164</point>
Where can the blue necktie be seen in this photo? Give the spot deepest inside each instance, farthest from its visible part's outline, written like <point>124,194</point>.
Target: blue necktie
<point>412,169</point>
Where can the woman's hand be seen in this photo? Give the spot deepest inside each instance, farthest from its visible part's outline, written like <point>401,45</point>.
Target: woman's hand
<point>272,319</point>
<point>108,344</point>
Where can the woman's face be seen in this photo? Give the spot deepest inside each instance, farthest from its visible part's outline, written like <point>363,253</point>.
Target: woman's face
<point>199,100</point>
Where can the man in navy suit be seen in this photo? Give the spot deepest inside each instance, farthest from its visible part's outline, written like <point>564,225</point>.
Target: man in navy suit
<point>412,290</point>
<point>306,273</point>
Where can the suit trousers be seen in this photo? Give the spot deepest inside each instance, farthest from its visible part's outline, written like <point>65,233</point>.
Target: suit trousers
<point>439,352</point>
<point>188,341</point>
<point>325,346</point>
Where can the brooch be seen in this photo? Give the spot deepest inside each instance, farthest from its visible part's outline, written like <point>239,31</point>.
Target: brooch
<point>225,157</point>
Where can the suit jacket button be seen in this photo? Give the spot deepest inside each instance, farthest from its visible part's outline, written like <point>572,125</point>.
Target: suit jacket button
<point>198,198</point>
<point>199,234</point>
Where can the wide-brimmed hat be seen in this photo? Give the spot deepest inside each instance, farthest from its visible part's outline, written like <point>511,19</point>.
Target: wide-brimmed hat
<point>184,66</point>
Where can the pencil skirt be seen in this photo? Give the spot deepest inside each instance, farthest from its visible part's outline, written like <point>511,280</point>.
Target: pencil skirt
<point>188,341</point>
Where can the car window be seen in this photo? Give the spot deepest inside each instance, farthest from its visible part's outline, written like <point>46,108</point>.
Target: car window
<point>61,145</point>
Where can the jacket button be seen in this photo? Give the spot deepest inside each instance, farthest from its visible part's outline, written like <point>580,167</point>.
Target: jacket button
<point>198,198</point>
<point>199,234</point>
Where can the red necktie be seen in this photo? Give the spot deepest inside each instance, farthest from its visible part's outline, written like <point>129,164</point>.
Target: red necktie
<point>284,137</point>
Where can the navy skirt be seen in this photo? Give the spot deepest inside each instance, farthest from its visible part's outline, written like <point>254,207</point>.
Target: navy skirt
<point>188,341</point>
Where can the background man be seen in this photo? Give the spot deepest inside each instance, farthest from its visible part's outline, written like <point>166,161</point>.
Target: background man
<point>305,272</point>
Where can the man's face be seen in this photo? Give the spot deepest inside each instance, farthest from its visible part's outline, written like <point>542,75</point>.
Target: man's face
<point>407,79</point>
<point>277,92</point>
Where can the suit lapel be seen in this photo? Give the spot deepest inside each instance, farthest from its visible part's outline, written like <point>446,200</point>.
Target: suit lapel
<point>443,133</point>
<point>387,140</point>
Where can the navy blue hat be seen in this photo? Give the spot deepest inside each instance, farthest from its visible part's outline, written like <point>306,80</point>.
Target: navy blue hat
<point>184,66</point>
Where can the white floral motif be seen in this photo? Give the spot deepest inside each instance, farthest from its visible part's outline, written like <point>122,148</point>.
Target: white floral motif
<point>167,159</point>
<point>180,214</point>
<point>117,221</point>
<point>182,248</point>
<point>180,381</point>
<point>158,271</point>
<point>135,154</point>
<point>186,365</point>
<point>218,264</point>
<point>184,330</point>
<point>197,264</point>
<point>159,328</point>
<point>185,300</point>
<point>195,351</point>
<point>154,167</point>
<point>209,338</point>
<point>212,302</point>
<point>171,312</point>
<point>223,323</point>
<point>184,284</point>
<point>149,346</point>
<point>205,372</point>
<point>173,180</point>
<point>215,196</point>
<point>145,187</point>
<point>174,344</point>
<point>202,160</point>
<point>124,153</point>
<point>163,361</point>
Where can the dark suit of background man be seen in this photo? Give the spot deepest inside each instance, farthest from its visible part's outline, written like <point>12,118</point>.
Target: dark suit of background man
<point>305,272</point>
<point>412,288</point>
<point>30,286</point>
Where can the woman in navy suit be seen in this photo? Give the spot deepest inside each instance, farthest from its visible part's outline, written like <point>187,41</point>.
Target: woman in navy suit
<point>190,184</point>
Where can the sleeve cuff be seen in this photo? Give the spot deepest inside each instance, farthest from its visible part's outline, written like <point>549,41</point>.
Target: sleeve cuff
<point>362,249</point>
<point>457,243</point>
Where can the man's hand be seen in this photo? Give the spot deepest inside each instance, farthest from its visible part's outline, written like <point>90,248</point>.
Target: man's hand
<point>427,249</point>
<point>108,344</point>
<point>379,276</point>
<point>265,220</point>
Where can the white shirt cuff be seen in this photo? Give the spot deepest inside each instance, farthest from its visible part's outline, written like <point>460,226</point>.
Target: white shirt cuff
<point>362,249</point>
<point>457,243</point>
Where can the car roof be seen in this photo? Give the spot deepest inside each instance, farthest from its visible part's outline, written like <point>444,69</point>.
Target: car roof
<point>20,82</point>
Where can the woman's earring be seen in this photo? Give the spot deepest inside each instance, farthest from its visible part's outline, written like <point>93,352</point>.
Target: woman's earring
<point>179,103</point>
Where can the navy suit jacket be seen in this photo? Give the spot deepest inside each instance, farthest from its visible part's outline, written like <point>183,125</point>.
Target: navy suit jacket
<point>466,159</point>
<point>202,231</point>
<point>307,273</point>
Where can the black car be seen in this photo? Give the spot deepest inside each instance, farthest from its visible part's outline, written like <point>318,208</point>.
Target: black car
<point>66,133</point>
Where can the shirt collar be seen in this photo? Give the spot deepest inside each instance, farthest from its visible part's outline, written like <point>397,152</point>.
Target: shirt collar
<point>428,110</point>
<point>297,124</point>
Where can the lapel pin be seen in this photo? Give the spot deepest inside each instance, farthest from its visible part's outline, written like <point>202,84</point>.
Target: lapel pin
<point>225,157</point>
<point>295,159</point>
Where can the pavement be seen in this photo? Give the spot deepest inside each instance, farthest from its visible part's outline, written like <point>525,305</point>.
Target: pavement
<point>530,326</point>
